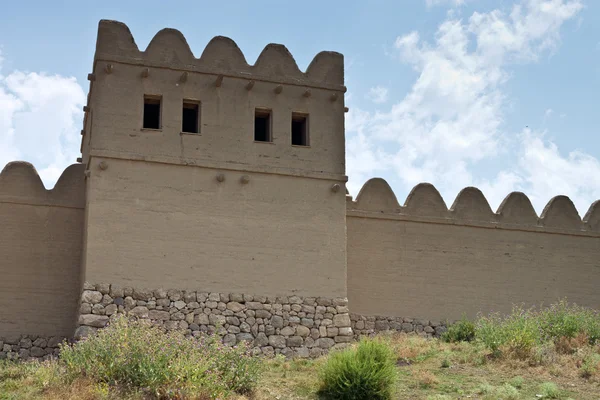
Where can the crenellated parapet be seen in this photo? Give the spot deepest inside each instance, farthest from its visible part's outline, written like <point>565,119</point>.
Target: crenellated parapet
<point>169,49</point>
<point>164,105</point>
<point>20,183</point>
<point>425,204</point>
<point>41,236</point>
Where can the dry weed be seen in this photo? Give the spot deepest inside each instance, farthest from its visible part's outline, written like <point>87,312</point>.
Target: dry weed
<point>426,379</point>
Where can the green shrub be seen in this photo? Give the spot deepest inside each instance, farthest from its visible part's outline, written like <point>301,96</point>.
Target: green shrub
<point>518,333</point>
<point>365,372</point>
<point>506,392</point>
<point>139,355</point>
<point>589,365</point>
<point>488,330</point>
<point>564,320</point>
<point>521,332</point>
<point>461,331</point>
<point>549,390</point>
<point>485,388</point>
<point>517,382</point>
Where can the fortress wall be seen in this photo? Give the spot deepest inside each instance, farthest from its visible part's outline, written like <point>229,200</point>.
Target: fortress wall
<point>40,251</point>
<point>226,111</point>
<point>422,260</point>
<point>153,225</point>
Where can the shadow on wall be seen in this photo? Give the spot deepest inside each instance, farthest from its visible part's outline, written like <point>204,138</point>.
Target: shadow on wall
<point>40,251</point>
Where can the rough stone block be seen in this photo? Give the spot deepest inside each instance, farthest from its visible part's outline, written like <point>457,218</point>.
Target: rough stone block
<point>140,312</point>
<point>302,331</point>
<point>96,321</point>
<point>159,315</point>
<point>341,320</point>
<point>277,341</point>
<point>91,297</point>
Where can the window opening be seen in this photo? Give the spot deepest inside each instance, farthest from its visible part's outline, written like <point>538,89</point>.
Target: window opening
<point>299,129</point>
<point>190,117</point>
<point>262,125</point>
<point>151,112</point>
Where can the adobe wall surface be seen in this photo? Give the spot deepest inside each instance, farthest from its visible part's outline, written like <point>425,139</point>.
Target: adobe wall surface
<point>152,225</point>
<point>422,260</point>
<point>40,253</point>
<point>113,125</point>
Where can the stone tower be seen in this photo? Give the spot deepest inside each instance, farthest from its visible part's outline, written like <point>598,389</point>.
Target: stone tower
<point>210,173</point>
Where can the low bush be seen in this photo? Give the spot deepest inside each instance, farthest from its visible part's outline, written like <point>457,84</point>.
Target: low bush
<point>517,382</point>
<point>506,392</point>
<point>521,333</point>
<point>589,365</point>
<point>549,390</point>
<point>141,356</point>
<point>366,371</point>
<point>461,331</point>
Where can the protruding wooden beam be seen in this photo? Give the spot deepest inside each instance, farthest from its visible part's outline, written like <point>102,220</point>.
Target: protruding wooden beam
<point>86,109</point>
<point>91,77</point>
<point>278,89</point>
<point>219,81</point>
<point>145,72</point>
<point>250,85</point>
<point>79,159</point>
<point>82,132</point>
<point>346,109</point>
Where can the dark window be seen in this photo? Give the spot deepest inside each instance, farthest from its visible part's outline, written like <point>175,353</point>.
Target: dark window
<point>299,129</point>
<point>190,118</point>
<point>151,112</point>
<point>262,126</point>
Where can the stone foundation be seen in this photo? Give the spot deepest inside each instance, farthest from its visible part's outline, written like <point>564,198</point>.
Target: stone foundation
<point>293,326</point>
<point>367,326</point>
<point>25,347</point>
<point>288,325</point>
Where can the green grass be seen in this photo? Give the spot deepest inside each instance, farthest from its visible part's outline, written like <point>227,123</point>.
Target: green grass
<point>135,361</point>
<point>365,371</point>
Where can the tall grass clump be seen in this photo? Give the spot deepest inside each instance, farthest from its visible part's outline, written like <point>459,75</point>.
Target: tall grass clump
<point>137,355</point>
<point>366,371</point>
<point>563,325</point>
<point>460,331</point>
<point>564,320</point>
<point>517,333</point>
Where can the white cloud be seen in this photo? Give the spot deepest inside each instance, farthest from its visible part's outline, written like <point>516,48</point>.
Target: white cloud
<point>378,94</point>
<point>452,120</point>
<point>545,171</point>
<point>40,120</point>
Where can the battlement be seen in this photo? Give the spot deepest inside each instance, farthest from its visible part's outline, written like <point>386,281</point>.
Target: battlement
<point>169,49</point>
<point>425,204</point>
<point>20,183</point>
<point>165,105</point>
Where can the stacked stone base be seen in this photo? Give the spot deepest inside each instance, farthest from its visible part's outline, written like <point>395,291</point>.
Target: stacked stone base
<point>288,325</point>
<point>293,326</point>
<point>25,347</point>
<point>371,325</point>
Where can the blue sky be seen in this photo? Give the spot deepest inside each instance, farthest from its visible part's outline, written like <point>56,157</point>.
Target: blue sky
<point>502,95</point>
